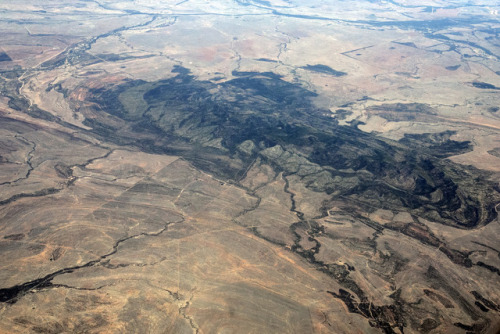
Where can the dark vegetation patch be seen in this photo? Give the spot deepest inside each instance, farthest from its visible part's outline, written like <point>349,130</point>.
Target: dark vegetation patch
<point>324,69</point>
<point>489,267</point>
<point>206,122</point>
<point>439,282</point>
<point>4,57</point>
<point>404,107</point>
<point>409,44</point>
<point>439,298</point>
<point>117,57</point>
<point>495,152</point>
<point>267,60</point>
<point>385,317</point>
<point>406,74</point>
<point>16,237</point>
<point>10,89</point>
<point>453,68</point>
<point>403,112</point>
<point>439,144</point>
<point>342,113</point>
<point>470,329</point>
<point>484,85</point>
<point>486,303</point>
<point>428,325</point>
<point>63,170</point>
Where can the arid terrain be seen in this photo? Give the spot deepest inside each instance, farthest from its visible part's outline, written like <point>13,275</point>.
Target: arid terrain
<point>249,166</point>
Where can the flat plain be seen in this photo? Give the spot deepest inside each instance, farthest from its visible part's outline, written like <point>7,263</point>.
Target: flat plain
<point>249,166</point>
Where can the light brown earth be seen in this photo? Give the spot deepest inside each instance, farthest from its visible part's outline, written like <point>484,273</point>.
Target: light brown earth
<point>102,236</point>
